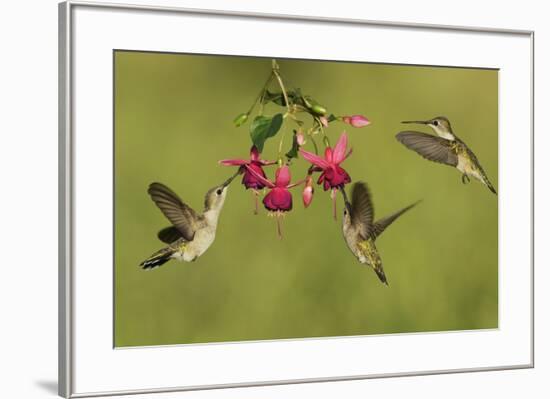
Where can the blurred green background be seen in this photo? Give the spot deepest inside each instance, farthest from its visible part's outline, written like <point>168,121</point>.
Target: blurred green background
<point>173,122</point>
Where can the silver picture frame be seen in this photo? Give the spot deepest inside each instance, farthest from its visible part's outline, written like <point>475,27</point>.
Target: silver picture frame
<point>67,204</point>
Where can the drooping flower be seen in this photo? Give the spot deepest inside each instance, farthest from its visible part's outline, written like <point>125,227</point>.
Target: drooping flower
<point>324,121</point>
<point>250,181</point>
<point>356,120</point>
<point>278,200</point>
<point>332,175</point>
<point>307,194</point>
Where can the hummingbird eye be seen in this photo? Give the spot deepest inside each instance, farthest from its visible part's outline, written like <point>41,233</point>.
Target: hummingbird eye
<point>436,123</point>
<point>219,191</point>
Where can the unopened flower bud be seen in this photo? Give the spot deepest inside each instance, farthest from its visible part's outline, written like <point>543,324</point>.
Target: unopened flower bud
<point>356,120</point>
<point>317,108</point>
<point>240,119</point>
<point>300,139</point>
<point>307,194</point>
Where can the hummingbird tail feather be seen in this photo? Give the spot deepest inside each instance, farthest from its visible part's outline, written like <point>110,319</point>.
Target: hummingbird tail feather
<point>488,184</point>
<point>381,275</point>
<point>158,258</point>
<point>482,176</point>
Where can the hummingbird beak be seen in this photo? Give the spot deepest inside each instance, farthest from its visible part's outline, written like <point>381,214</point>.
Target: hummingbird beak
<point>228,181</point>
<point>417,122</point>
<point>346,201</point>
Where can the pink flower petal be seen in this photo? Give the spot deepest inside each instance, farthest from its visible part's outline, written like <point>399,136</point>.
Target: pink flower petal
<point>314,159</point>
<point>260,177</point>
<point>328,155</point>
<point>278,199</point>
<point>340,149</point>
<point>233,162</point>
<point>300,139</point>
<point>359,121</point>
<point>307,196</point>
<point>282,176</point>
<point>250,180</point>
<point>356,120</point>
<point>254,154</point>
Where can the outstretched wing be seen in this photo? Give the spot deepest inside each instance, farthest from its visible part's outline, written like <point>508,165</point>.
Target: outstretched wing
<point>182,216</point>
<point>362,211</point>
<point>430,147</point>
<point>169,234</point>
<point>381,224</point>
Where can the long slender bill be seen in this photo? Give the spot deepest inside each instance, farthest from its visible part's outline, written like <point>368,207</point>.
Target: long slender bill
<point>228,181</point>
<point>417,122</point>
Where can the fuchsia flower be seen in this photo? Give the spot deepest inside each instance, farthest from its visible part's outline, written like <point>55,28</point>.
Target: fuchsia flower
<point>278,200</point>
<point>255,163</point>
<point>332,175</point>
<point>356,120</point>
<point>245,166</point>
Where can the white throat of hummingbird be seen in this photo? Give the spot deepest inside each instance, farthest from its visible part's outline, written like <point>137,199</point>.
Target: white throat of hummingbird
<point>215,200</point>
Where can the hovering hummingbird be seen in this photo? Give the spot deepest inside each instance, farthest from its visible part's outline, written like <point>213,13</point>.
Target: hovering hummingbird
<point>445,148</point>
<point>360,230</point>
<point>191,233</point>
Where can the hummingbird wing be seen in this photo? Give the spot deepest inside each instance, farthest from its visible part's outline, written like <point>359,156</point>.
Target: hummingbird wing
<point>182,216</point>
<point>362,211</point>
<point>381,224</point>
<point>433,148</point>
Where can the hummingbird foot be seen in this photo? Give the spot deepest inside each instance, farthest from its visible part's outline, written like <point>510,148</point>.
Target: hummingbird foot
<point>465,179</point>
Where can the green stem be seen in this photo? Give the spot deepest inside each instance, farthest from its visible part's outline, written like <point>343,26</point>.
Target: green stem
<point>281,144</point>
<point>314,144</point>
<point>275,72</point>
<point>261,94</point>
<point>280,81</point>
<point>321,128</point>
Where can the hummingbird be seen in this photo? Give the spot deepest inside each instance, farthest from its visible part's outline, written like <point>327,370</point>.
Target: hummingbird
<point>445,148</point>
<point>191,233</point>
<point>360,231</point>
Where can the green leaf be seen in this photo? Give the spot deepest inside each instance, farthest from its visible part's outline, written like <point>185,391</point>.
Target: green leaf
<point>264,127</point>
<point>278,98</point>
